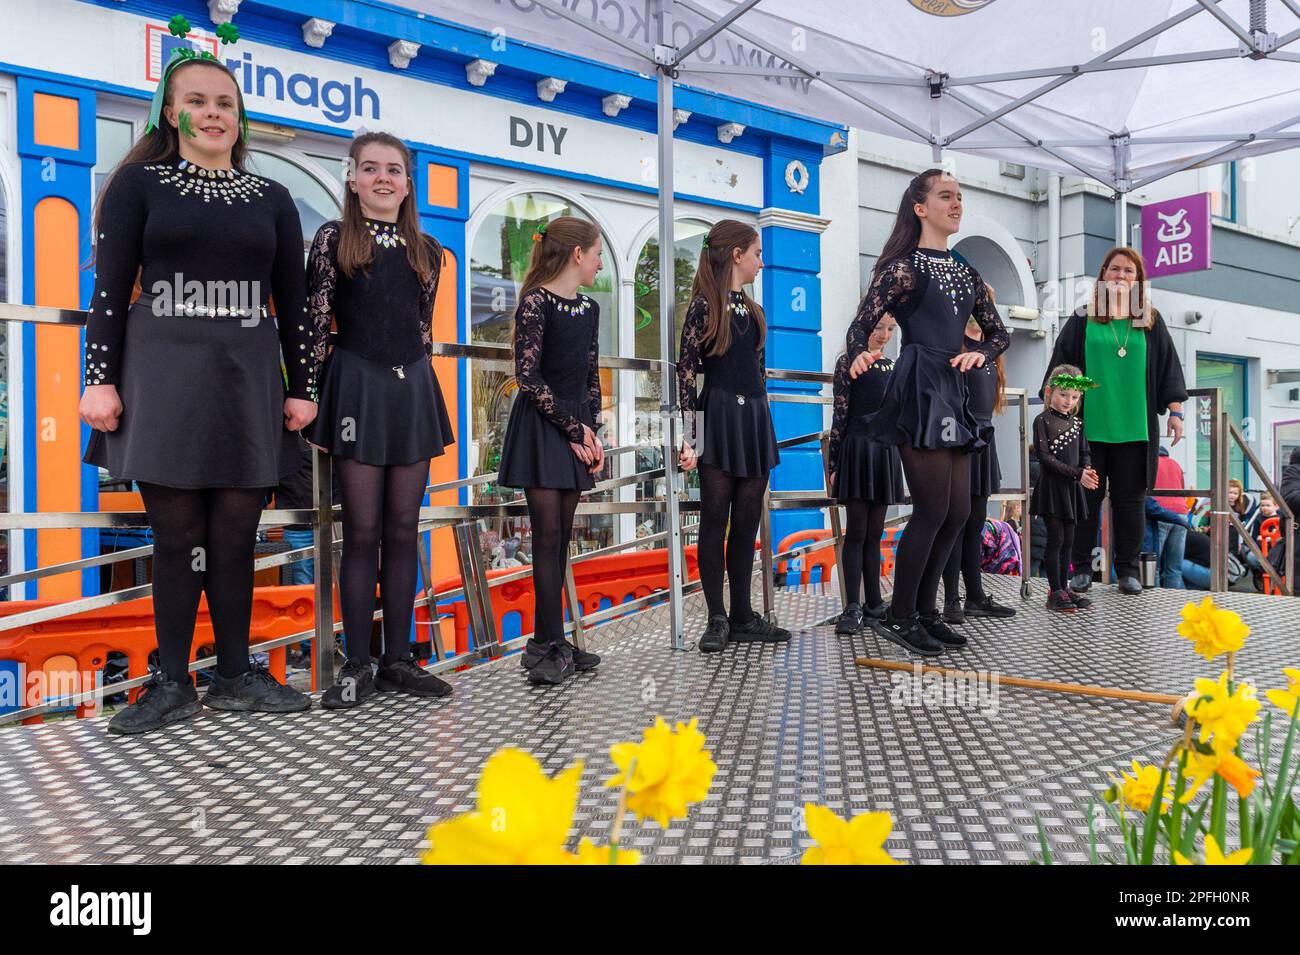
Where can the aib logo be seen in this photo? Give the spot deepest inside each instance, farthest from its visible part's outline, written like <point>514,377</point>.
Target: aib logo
<point>950,8</point>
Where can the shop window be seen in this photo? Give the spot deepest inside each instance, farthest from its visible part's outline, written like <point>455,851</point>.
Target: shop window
<point>499,255</point>
<point>316,204</point>
<point>113,140</point>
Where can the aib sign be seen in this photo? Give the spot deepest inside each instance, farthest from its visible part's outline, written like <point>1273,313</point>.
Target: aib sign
<point>1176,235</point>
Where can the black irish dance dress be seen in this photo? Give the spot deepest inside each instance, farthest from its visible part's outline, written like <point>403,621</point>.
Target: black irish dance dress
<point>1063,455</point>
<point>864,469</point>
<point>197,359</point>
<point>556,344</point>
<point>380,402</point>
<point>931,295</point>
<point>982,383</point>
<point>730,422</point>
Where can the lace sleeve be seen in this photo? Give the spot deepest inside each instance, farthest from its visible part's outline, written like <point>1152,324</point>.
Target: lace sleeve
<point>429,294</point>
<point>1046,457</point>
<point>688,365</point>
<point>322,280</point>
<point>530,335</point>
<point>594,400</point>
<point>996,339</point>
<point>840,415</point>
<point>892,290</point>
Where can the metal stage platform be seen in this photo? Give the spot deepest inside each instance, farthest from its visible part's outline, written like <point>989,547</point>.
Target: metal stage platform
<point>786,726</point>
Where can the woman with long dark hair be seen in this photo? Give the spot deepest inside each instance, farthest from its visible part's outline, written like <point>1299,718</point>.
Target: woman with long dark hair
<point>1120,338</point>
<point>382,415</point>
<point>551,448</point>
<point>926,410</point>
<point>728,429</point>
<point>184,388</point>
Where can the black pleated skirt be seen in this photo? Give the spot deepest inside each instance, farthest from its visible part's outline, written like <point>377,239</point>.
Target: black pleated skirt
<point>202,404</point>
<point>736,434</point>
<point>985,472</point>
<point>1055,496</point>
<point>868,471</point>
<point>926,404</point>
<point>535,453</point>
<point>370,414</point>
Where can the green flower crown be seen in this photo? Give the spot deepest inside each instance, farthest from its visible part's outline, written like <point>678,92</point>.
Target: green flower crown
<point>179,26</point>
<point>1073,382</point>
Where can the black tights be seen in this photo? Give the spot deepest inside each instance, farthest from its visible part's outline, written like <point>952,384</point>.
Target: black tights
<point>203,542</point>
<point>939,482</point>
<point>381,514</point>
<point>1056,552</point>
<point>964,561</point>
<point>740,499</point>
<point>550,512</point>
<point>860,553</point>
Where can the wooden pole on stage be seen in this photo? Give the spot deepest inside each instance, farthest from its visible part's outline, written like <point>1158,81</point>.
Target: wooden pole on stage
<point>1113,693</point>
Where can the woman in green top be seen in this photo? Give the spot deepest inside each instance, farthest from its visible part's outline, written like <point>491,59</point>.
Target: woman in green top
<point>1120,340</point>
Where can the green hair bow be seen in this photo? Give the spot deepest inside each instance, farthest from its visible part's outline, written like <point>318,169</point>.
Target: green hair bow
<point>1073,382</point>
<point>179,26</point>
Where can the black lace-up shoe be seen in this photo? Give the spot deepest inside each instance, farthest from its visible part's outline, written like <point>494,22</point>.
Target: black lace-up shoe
<point>875,613</point>
<point>850,621</point>
<point>407,676</point>
<point>1061,601</point>
<point>356,683</point>
<point>254,691</point>
<point>952,612</point>
<point>715,634</point>
<point>908,634</point>
<point>936,628</point>
<point>987,607</point>
<point>757,630</point>
<point>553,667</point>
<point>1079,600</point>
<point>162,700</point>
<point>583,660</point>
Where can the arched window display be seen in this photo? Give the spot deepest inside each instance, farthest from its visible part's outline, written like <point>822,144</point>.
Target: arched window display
<point>499,255</point>
<point>316,204</point>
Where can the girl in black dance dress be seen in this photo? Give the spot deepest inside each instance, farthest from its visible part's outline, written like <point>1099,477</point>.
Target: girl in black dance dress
<point>728,428</point>
<point>866,477</point>
<point>551,449</point>
<point>1066,471</point>
<point>987,385</point>
<point>184,387</point>
<point>382,415</point>
<point>925,411</point>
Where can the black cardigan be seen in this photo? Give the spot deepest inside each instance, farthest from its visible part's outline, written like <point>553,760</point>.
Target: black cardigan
<point>1165,382</point>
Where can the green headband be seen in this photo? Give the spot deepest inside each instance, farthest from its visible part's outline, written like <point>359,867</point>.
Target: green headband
<point>1073,382</point>
<point>178,26</point>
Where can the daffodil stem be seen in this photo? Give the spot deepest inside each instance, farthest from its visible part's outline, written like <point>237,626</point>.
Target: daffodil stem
<point>617,831</point>
<point>1281,795</point>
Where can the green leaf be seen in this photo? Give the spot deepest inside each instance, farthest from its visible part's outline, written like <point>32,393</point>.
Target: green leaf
<point>1042,842</point>
<point>1150,827</point>
<point>1188,843</point>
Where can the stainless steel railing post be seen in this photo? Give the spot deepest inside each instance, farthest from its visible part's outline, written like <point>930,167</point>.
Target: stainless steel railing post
<point>765,558</point>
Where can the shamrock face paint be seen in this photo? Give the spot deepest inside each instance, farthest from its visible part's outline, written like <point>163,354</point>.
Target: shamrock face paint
<point>185,124</point>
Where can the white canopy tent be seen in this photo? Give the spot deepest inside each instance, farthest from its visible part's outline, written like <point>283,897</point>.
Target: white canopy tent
<point>1121,91</point>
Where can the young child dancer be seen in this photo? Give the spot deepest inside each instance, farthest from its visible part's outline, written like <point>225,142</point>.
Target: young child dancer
<point>185,389</point>
<point>1066,470</point>
<point>987,386</point>
<point>550,448</point>
<point>866,477</point>
<point>925,411</point>
<point>382,415</point>
<point>728,429</point>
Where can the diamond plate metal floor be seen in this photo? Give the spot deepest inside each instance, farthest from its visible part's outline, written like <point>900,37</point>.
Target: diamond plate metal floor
<point>964,780</point>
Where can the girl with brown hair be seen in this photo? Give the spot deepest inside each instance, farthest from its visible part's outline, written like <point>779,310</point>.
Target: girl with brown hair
<point>382,416</point>
<point>728,429</point>
<point>551,449</point>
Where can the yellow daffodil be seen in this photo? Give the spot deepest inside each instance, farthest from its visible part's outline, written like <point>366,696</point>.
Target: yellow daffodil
<point>670,769</point>
<point>523,817</point>
<point>591,854</point>
<point>860,841</point>
<point>1212,629</point>
<point>1202,767</point>
<point>1285,700</point>
<point>1214,855</point>
<point>1224,714</point>
<point>1139,789</point>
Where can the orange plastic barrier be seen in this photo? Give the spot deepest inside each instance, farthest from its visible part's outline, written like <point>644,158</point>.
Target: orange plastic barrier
<point>1270,532</point>
<point>824,558</point>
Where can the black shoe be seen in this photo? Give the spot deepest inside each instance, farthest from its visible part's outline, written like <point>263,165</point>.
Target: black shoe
<point>953,612</point>
<point>584,660</point>
<point>1130,585</point>
<point>356,683</point>
<point>407,676</point>
<point>535,651</point>
<point>936,628</point>
<point>1060,600</point>
<point>850,621</point>
<point>162,700</point>
<point>908,634</point>
<point>875,613</point>
<point>715,634</point>
<point>988,607</point>
<point>757,630</point>
<point>254,691</point>
<point>1081,583</point>
<point>553,666</point>
<point>1079,600</point>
